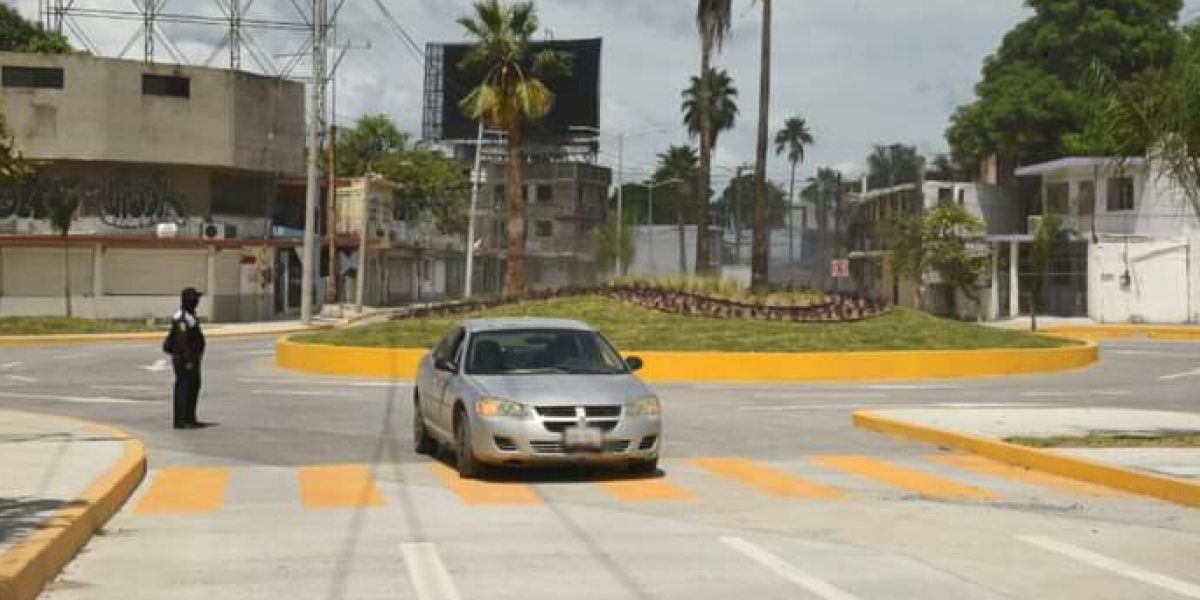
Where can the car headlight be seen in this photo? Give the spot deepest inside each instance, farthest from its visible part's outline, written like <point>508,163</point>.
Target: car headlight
<point>646,406</point>
<point>495,407</point>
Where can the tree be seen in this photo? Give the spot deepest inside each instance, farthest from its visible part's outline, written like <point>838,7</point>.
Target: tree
<point>512,91</point>
<point>824,193</point>
<point>943,167</point>
<point>1045,239</point>
<point>1028,100</point>
<point>714,19</point>
<point>681,163</point>
<point>723,110</point>
<point>365,147</point>
<point>893,165</point>
<point>17,34</point>
<point>906,255</point>
<point>761,246</point>
<point>62,206</point>
<point>950,247</point>
<point>430,185</point>
<point>610,244</point>
<point>1156,114</point>
<point>738,198</point>
<point>793,139</point>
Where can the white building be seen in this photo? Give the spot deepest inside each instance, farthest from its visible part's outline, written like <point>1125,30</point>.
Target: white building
<point>1135,254</point>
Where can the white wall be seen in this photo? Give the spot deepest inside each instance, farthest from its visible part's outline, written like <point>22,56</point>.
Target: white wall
<point>1160,290</point>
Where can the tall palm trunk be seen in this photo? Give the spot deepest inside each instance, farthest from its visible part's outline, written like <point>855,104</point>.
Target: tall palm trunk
<point>682,239</point>
<point>792,216</point>
<point>760,251</point>
<point>704,176</point>
<point>67,274</point>
<point>514,278</point>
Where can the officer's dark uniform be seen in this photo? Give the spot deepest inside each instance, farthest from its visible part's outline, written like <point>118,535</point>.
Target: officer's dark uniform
<point>185,344</point>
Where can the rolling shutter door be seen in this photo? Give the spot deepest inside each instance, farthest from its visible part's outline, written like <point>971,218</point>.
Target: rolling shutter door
<point>154,272</point>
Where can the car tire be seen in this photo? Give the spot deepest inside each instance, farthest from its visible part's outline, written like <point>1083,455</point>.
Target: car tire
<point>423,443</point>
<point>464,453</point>
<point>644,467</point>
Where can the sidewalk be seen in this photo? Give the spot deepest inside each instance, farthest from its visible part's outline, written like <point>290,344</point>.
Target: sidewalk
<point>62,479</point>
<point>1167,473</point>
<point>1087,329</point>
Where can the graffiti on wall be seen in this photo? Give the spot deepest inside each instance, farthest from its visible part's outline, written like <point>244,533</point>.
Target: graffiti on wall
<point>121,202</point>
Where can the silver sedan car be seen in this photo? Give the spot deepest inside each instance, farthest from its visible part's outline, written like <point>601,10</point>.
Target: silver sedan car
<point>528,391</point>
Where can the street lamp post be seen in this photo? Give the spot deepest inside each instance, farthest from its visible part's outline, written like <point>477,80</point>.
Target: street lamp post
<point>476,179</point>
<point>650,187</point>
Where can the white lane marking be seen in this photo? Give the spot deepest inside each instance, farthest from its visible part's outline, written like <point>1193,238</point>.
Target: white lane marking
<point>1113,565</point>
<point>305,393</point>
<point>791,407</point>
<point>73,355</point>
<point>77,399</point>
<point>157,366</point>
<point>1074,394</point>
<point>429,576</point>
<point>125,388</point>
<point>23,379</point>
<point>10,365</point>
<point>1151,353</point>
<point>914,387</point>
<point>816,395</point>
<point>301,381</point>
<point>784,569</point>
<point>1192,373</point>
<point>992,404</point>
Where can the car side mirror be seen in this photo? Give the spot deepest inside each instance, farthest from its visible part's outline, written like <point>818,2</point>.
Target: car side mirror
<point>445,364</point>
<point>634,363</point>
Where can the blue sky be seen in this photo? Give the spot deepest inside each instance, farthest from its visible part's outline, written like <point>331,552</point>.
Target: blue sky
<point>861,71</point>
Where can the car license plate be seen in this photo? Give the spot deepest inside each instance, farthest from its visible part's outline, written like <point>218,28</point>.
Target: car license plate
<point>583,439</point>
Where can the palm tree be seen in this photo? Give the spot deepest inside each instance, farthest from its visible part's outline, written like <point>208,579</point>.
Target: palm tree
<point>793,139</point>
<point>722,111</point>
<point>761,244</point>
<point>893,165</point>
<point>714,19</point>
<point>511,92</point>
<point>679,162</point>
<point>825,190</point>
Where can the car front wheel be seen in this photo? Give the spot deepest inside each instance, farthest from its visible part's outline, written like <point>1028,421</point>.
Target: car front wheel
<point>644,467</point>
<point>464,452</point>
<point>423,443</point>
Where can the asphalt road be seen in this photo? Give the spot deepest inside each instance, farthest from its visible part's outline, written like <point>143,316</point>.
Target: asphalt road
<point>308,488</point>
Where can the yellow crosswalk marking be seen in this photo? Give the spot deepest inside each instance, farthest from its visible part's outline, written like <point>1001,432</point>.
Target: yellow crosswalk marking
<point>764,478</point>
<point>474,491</point>
<point>979,464</point>
<point>332,486</point>
<point>925,484</point>
<point>645,490</point>
<point>182,490</point>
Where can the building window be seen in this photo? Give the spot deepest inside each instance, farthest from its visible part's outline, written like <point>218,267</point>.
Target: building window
<point>166,85</point>
<point>945,196</point>
<point>962,197</point>
<point>544,229</point>
<point>33,77</point>
<point>545,194</point>
<point>1120,194</point>
<point>1058,198</point>
<point>498,196</point>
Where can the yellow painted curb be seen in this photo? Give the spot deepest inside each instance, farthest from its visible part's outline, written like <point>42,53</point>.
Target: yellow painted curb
<point>1172,489</point>
<point>109,338</point>
<point>1110,332</point>
<point>733,366</point>
<point>28,566</point>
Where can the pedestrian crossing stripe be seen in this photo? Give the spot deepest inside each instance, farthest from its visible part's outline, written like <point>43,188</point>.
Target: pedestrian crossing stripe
<point>199,490</point>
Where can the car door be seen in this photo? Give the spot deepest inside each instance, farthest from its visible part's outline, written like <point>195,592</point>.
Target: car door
<point>428,392</point>
<point>443,384</point>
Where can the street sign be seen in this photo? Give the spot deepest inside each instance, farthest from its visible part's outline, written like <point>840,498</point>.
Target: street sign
<point>839,268</point>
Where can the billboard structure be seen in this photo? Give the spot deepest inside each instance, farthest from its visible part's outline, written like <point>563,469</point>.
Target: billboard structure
<point>577,96</point>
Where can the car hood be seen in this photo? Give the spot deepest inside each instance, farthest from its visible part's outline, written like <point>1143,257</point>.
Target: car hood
<point>549,390</point>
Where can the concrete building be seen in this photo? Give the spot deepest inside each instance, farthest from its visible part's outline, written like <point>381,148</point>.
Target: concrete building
<point>565,202</point>
<point>199,151</point>
<point>1134,249</point>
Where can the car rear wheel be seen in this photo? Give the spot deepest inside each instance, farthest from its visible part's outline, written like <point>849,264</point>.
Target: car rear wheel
<point>464,452</point>
<point>644,467</point>
<point>423,443</point>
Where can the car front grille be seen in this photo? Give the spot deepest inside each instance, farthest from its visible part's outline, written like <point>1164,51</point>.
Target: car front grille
<point>556,447</point>
<point>557,419</point>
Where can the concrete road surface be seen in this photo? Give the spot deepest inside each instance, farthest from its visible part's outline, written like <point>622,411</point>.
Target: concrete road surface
<point>308,488</point>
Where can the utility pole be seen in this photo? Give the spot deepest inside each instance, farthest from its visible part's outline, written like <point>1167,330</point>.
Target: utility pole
<point>316,108</point>
<point>331,215</point>
<point>620,198</point>
<point>476,179</point>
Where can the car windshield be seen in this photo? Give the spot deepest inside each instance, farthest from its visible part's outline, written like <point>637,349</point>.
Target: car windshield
<point>542,351</point>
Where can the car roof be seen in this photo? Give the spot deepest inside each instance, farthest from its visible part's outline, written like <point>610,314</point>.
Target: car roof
<point>524,323</point>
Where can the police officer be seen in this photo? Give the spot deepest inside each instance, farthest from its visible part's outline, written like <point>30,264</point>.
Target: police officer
<point>185,344</point>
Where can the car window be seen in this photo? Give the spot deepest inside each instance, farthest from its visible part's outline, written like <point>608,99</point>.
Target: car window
<point>449,345</point>
<point>530,351</point>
